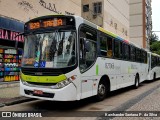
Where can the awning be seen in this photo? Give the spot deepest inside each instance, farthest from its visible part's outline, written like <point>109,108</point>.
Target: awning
<point>10,24</point>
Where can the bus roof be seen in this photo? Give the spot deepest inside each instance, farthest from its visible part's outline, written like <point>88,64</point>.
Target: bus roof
<point>94,26</point>
<point>154,54</point>
<point>109,33</point>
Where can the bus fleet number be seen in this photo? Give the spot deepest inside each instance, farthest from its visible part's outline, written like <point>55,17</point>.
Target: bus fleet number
<point>109,65</point>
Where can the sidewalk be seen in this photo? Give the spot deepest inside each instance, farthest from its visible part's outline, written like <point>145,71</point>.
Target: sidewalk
<point>9,94</point>
<point>149,105</point>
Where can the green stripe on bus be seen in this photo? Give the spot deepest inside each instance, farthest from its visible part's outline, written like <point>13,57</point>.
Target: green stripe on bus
<point>43,79</point>
<point>129,70</point>
<point>97,69</point>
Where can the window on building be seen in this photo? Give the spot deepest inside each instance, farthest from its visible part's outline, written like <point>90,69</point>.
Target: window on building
<point>97,7</point>
<point>86,8</point>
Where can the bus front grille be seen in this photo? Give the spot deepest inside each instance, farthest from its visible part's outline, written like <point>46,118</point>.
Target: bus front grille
<point>41,72</point>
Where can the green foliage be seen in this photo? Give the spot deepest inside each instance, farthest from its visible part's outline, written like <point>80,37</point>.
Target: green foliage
<point>155,44</point>
<point>155,47</point>
<point>154,38</point>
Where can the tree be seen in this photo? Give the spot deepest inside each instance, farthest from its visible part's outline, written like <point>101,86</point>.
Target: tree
<point>153,38</point>
<point>155,44</point>
<point>155,47</point>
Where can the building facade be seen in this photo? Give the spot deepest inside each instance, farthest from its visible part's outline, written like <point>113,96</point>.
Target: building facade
<point>140,22</point>
<point>112,15</point>
<point>25,10</point>
<point>11,45</point>
<point>130,19</point>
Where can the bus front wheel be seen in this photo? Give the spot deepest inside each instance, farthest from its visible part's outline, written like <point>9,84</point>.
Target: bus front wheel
<point>102,91</point>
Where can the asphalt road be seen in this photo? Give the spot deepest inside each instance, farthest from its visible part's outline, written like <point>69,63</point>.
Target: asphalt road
<point>87,109</point>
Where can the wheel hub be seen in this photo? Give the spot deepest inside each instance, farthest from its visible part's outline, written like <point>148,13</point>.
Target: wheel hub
<point>101,89</point>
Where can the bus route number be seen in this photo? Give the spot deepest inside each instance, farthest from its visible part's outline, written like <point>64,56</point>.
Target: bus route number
<point>34,25</point>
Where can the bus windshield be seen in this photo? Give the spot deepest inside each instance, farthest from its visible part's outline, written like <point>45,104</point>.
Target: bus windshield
<point>50,50</point>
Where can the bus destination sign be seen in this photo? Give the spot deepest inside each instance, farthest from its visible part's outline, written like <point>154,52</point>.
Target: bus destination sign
<point>47,23</point>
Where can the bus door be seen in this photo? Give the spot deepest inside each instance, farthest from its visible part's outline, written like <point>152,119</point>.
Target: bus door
<point>149,62</point>
<point>87,59</point>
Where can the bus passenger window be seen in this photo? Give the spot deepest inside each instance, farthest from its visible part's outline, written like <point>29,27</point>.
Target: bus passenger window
<point>121,50</point>
<point>103,46</point>
<point>133,53</point>
<point>138,55</point>
<point>144,55</point>
<point>116,49</point>
<point>126,51</point>
<point>88,48</point>
<point>109,42</point>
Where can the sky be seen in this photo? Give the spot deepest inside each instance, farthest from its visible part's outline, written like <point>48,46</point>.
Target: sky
<point>156,16</point>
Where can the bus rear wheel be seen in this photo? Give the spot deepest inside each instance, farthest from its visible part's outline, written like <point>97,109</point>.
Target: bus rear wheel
<point>136,85</point>
<point>154,76</point>
<point>102,91</point>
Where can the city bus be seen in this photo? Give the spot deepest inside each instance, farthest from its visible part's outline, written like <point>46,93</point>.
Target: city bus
<point>154,66</point>
<point>68,58</point>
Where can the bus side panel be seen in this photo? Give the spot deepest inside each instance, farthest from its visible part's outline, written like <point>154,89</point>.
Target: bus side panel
<point>111,68</point>
<point>88,82</point>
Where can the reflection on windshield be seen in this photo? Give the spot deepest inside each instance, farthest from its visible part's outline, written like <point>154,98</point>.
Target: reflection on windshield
<point>50,50</point>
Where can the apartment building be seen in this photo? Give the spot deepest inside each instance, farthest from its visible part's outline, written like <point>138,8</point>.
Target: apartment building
<point>130,19</point>
<point>112,15</point>
<point>24,10</point>
<point>140,22</point>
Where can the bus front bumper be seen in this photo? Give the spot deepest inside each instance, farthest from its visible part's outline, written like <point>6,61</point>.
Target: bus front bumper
<point>68,93</point>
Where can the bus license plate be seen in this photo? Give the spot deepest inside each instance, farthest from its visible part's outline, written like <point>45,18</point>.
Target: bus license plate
<point>38,92</point>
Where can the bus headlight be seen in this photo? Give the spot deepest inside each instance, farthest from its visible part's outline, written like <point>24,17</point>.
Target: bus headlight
<point>24,82</point>
<point>65,82</point>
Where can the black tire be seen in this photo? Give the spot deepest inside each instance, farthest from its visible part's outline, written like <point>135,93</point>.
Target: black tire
<point>154,76</point>
<point>102,91</point>
<point>136,84</point>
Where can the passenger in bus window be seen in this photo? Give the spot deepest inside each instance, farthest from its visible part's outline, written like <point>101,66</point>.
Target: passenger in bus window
<point>109,52</point>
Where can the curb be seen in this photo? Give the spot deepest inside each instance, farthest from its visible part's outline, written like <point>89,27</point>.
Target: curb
<point>7,85</point>
<point>21,100</point>
<point>15,100</point>
<point>18,101</point>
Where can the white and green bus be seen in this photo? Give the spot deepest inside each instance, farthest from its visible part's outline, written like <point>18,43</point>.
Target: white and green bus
<point>68,58</point>
<point>154,66</point>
